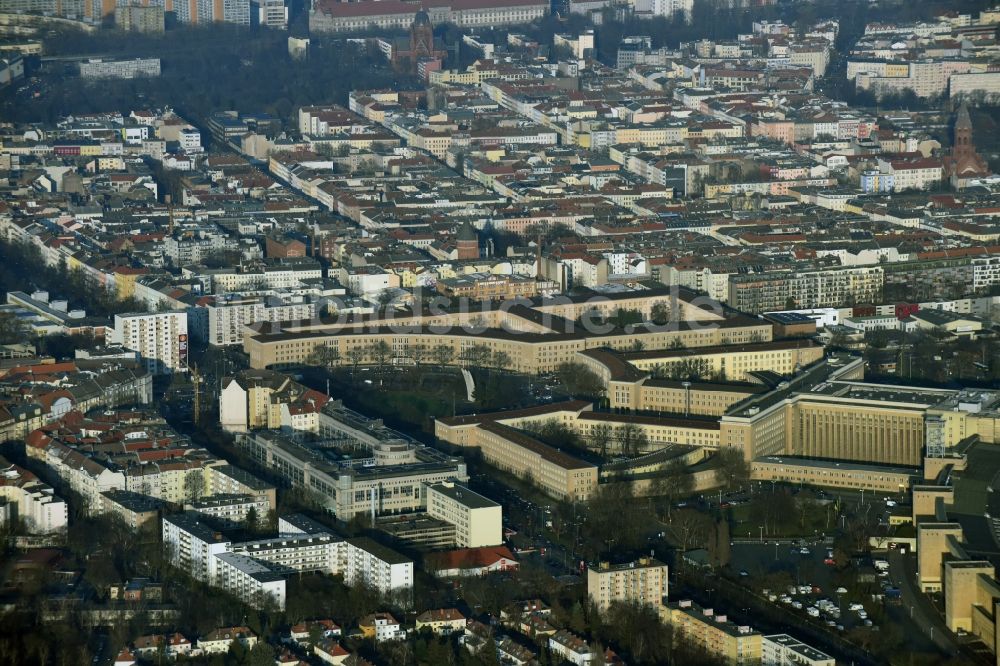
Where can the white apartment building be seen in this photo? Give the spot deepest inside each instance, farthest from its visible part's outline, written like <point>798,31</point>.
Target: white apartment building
<point>119,69</point>
<point>160,338</point>
<point>302,553</point>
<point>914,174</point>
<point>250,580</point>
<point>189,139</point>
<point>376,566</point>
<point>271,13</point>
<point>253,569</point>
<point>226,316</point>
<point>192,546</point>
<point>29,500</point>
<point>578,45</point>
<point>367,280</point>
<point>287,274</point>
<point>478,521</point>
<point>643,581</point>
<point>985,272</point>
<point>785,650</point>
<point>665,8</point>
<point>974,82</point>
<point>231,509</point>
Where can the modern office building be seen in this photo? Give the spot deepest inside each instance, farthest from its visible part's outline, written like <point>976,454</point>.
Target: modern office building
<point>350,488</point>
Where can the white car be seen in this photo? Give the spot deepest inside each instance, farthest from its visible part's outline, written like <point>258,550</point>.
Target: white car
<point>856,607</point>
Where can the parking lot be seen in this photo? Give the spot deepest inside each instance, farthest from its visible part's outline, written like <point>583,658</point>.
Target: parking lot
<point>807,574</point>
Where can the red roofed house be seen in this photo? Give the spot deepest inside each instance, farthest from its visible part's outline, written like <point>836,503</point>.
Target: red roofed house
<point>471,561</point>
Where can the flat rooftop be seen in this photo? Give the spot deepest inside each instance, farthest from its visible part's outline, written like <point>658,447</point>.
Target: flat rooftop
<point>384,553</point>
<point>816,463</point>
<point>195,524</point>
<point>916,396</point>
<point>463,495</point>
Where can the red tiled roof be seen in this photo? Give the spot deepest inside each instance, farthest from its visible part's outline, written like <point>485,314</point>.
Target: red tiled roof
<point>469,558</point>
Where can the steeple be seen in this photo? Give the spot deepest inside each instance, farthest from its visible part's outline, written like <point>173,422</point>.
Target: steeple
<point>963,133</point>
<point>965,162</point>
<point>964,120</point>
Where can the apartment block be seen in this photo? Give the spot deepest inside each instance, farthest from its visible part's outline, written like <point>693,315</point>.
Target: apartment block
<point>478,521</point>
<point>250,580</point>
<point>231,510</point>
<point>643,581</point>
<point>131,508</point>
<point>765,292</point>
<point>370,563</point>
<point>226,318</point>
<point>270,13</point>
<point>714,633</point>
<point>24,498</point>
<point>119,69</point>
<point>160,338</point>
<point>136,18</point>
<point>257,569</point>
<point>230,480</point>
<point>785,650</point>
<point>192,545</point>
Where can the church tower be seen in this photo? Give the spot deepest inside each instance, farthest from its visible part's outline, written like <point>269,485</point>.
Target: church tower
<point>467,242</point>
<point>963,146</point>
<point>421,36</point>
<point>966,164</point>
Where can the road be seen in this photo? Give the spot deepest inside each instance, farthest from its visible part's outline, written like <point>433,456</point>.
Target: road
<point>902,571</point>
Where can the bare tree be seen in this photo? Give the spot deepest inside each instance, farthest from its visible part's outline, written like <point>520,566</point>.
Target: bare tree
<point>355,355</point>
<point>380,353</point>
<point>443,355</point>
<point>600,436</point>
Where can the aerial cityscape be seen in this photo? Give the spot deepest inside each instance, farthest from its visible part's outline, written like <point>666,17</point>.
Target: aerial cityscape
<point>500,332</point>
